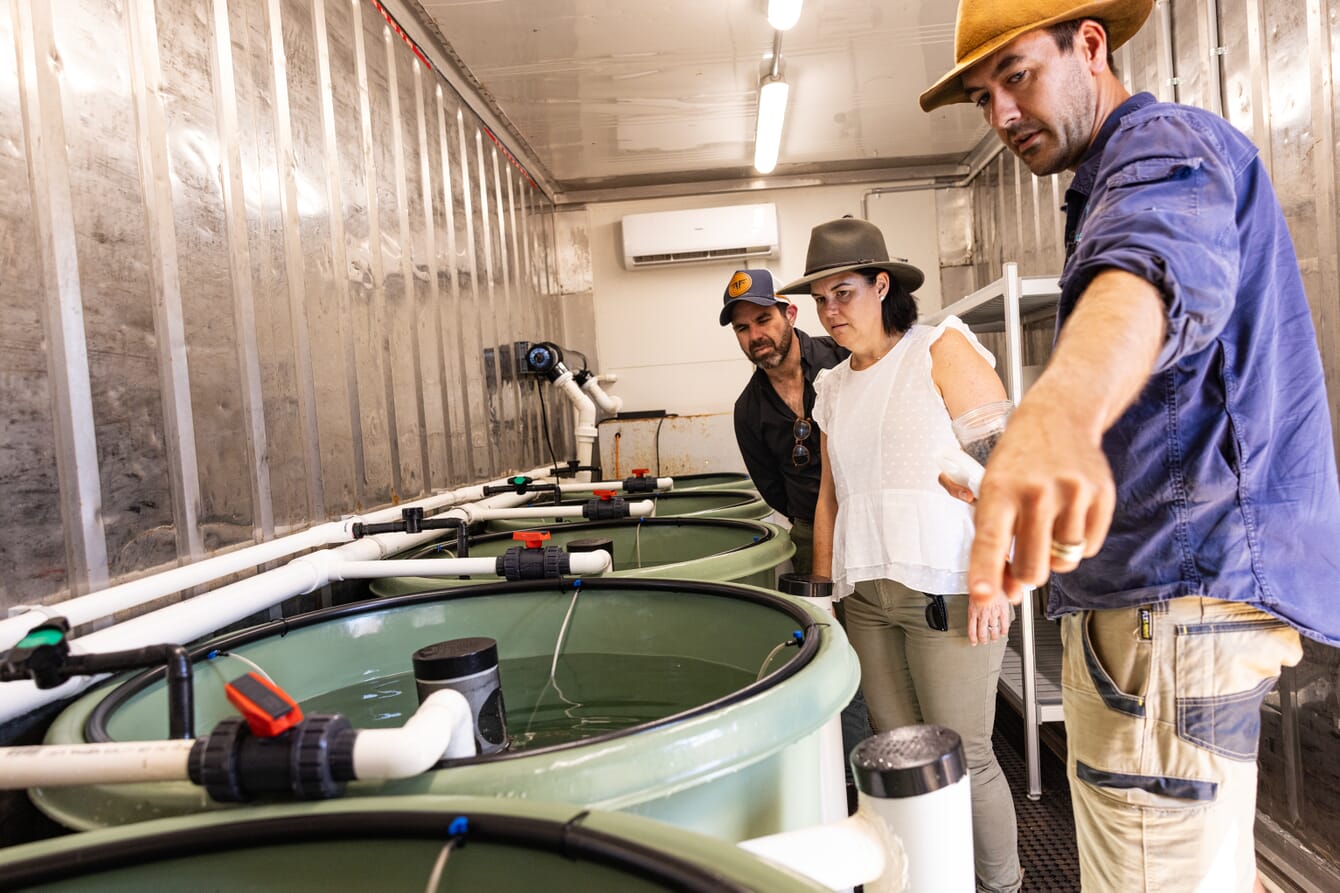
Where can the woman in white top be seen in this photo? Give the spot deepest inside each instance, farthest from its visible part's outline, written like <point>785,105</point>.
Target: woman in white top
<point>892,539</point>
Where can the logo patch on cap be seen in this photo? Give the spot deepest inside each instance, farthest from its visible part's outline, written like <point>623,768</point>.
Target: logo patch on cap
<point>740,283</point>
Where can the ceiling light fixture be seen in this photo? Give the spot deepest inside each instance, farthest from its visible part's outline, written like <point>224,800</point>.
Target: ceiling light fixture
<point>772,113</point>
<point>772,95</point>
<point>783,14</point>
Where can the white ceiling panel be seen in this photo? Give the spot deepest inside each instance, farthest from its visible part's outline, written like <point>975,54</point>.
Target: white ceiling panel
<point>641,93</point>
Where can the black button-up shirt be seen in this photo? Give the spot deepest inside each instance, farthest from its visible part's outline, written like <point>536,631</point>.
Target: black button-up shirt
<point>765,432</point>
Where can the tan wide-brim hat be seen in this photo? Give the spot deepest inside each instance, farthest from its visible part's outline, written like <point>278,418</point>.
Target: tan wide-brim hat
<point>985,26</point>
<point>850,244</point>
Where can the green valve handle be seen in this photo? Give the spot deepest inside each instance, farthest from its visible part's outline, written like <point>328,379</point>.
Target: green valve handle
<point>39,637</point>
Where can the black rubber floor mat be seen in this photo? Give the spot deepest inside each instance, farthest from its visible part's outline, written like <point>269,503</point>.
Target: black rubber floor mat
<point>1046,827</point>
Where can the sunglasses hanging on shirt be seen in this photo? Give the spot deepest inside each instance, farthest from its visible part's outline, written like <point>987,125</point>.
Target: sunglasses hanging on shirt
<point>937,616</point>
<point>800,453</point>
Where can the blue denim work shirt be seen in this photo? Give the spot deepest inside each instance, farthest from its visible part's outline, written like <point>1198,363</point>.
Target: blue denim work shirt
<point>1224,464</point>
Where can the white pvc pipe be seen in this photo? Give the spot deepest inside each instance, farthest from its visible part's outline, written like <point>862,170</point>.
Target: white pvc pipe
<point>113,762</point>
<point>584,564</point>
<point>442,727</point>
<point>96,605</point>
<point>639,509</point>
<point>935,830</point>
<point>585,428</point>
<point>662,484</point>
<point>839,855</point>
<point>200,616</point>
<point>605,401</point>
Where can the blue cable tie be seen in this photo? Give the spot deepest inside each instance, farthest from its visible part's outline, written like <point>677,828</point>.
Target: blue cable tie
<point>576,582</point>
<point>213,654</point>
<point>459,826</point>
<point>798,637</point>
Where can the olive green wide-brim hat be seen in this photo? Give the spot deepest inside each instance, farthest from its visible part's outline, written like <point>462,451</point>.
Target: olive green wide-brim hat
<point>984,26</point>
<point>850,244</point>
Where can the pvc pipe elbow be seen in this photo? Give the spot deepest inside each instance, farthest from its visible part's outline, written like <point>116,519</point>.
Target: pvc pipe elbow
<point>605,401</point>
<point>856,850</point>
<point>442,727</point>
<point>318,568</point>
<point>586,564</point>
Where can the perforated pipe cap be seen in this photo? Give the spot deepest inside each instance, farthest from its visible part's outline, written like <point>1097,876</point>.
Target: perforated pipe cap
<point>908,762</point>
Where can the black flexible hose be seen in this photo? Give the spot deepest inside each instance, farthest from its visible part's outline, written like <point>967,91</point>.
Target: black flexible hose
<point>568,839</point>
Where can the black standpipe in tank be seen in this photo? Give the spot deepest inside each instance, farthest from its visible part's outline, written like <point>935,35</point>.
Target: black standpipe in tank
<point>592,544</point>
<point>470,666</point>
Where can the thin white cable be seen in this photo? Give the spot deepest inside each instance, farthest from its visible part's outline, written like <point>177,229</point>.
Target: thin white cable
<point>553,664</point>
<point>763,670</point>
<point>435,879</point>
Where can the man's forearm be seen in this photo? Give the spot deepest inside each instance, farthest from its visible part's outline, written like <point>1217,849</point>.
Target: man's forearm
<point>1105,354</point>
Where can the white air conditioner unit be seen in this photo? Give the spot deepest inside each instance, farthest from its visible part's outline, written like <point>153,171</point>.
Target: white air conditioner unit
<point>701,234</point>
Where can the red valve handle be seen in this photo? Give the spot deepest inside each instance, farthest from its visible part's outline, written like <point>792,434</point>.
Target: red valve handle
<point>531,538</point>
<point>605,495</point>
<point>640,472</point>
<point>267,708</point>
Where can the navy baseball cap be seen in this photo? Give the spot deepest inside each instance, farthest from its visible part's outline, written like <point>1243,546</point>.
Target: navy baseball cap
<point>754,286</point>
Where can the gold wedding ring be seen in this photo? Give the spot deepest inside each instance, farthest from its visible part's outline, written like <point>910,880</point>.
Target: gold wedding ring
<point>1068,552</point>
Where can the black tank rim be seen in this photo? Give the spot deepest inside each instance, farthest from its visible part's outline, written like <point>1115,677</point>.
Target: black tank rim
<point>95,725</point>
<point>569,839</point>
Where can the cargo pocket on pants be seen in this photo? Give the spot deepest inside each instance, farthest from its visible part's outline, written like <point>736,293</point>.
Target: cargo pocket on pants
<point>1224,672</point>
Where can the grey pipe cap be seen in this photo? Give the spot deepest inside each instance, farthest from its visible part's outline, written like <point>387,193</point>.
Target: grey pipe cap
<point>908,762</point>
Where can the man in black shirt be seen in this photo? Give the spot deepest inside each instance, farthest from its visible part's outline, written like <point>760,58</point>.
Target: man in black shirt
<point>777,438</point>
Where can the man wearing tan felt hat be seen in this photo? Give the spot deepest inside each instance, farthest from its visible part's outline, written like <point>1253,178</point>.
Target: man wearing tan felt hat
<point>1173,463</point>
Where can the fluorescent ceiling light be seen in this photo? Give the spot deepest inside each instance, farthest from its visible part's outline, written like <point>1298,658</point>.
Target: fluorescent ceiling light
<point>783,14</point>
<point>771,113</point>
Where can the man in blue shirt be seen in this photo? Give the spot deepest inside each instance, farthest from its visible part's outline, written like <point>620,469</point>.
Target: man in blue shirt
<point>1174,464</point>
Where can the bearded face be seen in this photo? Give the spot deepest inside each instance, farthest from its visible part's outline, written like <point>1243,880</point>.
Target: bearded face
<point>768,350</point>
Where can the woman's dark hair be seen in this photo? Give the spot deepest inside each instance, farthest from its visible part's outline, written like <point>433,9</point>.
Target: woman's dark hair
<point>899,307</point>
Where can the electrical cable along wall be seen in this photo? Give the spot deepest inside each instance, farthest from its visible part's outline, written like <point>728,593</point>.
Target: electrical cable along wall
<point>263,267</point>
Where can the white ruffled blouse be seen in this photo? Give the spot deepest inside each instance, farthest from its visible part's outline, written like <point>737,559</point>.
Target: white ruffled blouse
<point>885,427</point>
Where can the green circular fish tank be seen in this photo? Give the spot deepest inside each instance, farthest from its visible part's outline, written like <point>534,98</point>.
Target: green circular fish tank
<point>745,504</point>
<point>728,550</point>
<point>673,699</point>
<point>396,844</point>
<point>714,480</point>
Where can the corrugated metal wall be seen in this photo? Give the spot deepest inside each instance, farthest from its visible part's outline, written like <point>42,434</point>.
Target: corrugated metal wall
<point>262,267</point>
<point>1270,69</point>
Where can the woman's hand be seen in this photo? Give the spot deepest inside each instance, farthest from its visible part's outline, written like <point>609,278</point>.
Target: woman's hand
<point>988,619</point>
<point>955,489</point>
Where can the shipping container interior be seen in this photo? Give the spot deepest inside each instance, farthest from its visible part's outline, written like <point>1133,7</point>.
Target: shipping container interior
<point>267,264</point>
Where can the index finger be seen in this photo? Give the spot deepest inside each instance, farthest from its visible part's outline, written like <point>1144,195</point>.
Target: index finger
<point>995,520</point>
